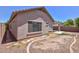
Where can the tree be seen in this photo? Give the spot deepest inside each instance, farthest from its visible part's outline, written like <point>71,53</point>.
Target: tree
<point>59,22</point>
<point>69,22</point>
<point>77,22</point>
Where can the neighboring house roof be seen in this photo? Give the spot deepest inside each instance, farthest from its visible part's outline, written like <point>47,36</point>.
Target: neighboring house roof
<point>29,10</point>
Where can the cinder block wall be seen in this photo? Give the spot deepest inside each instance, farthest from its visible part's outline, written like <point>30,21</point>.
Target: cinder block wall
<point>66,28</point>
<point>2,31</point>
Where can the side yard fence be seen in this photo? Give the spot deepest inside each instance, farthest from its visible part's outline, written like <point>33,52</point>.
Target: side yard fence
<point>69,29</point>
<point>2,31</point>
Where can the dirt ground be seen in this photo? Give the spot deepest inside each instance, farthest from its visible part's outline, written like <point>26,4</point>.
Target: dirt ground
<point>58,44</point>
<point>48,43</point>
<point>76,46</point>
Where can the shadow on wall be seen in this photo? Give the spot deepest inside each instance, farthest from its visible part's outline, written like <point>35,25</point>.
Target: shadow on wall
<point>8,37</point>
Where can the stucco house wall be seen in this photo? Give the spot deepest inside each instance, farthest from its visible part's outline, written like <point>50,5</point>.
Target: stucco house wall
<point>13,27</point>
<point>19,27</point>
<point>36,16</point>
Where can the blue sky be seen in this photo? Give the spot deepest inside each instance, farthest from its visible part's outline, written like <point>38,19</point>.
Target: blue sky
<point>59,13</point>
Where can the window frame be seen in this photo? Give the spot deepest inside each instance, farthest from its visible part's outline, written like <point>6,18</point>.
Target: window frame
<point>33,25</point>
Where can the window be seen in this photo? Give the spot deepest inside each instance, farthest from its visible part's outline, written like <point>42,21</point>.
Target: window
<point>34,26</point>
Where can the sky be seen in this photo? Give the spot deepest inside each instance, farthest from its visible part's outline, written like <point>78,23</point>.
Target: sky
<point>58,13</point>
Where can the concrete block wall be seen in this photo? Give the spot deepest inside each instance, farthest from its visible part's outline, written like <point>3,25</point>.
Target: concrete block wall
<point>66,28</point>
<point>2,31</point>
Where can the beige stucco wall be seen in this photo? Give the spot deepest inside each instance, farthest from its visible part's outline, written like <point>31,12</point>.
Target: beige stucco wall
<point>22,30</point>
<point>21,22</point>
<point>22,26</point>
<point>45,29</point>
<point>13,27</point>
